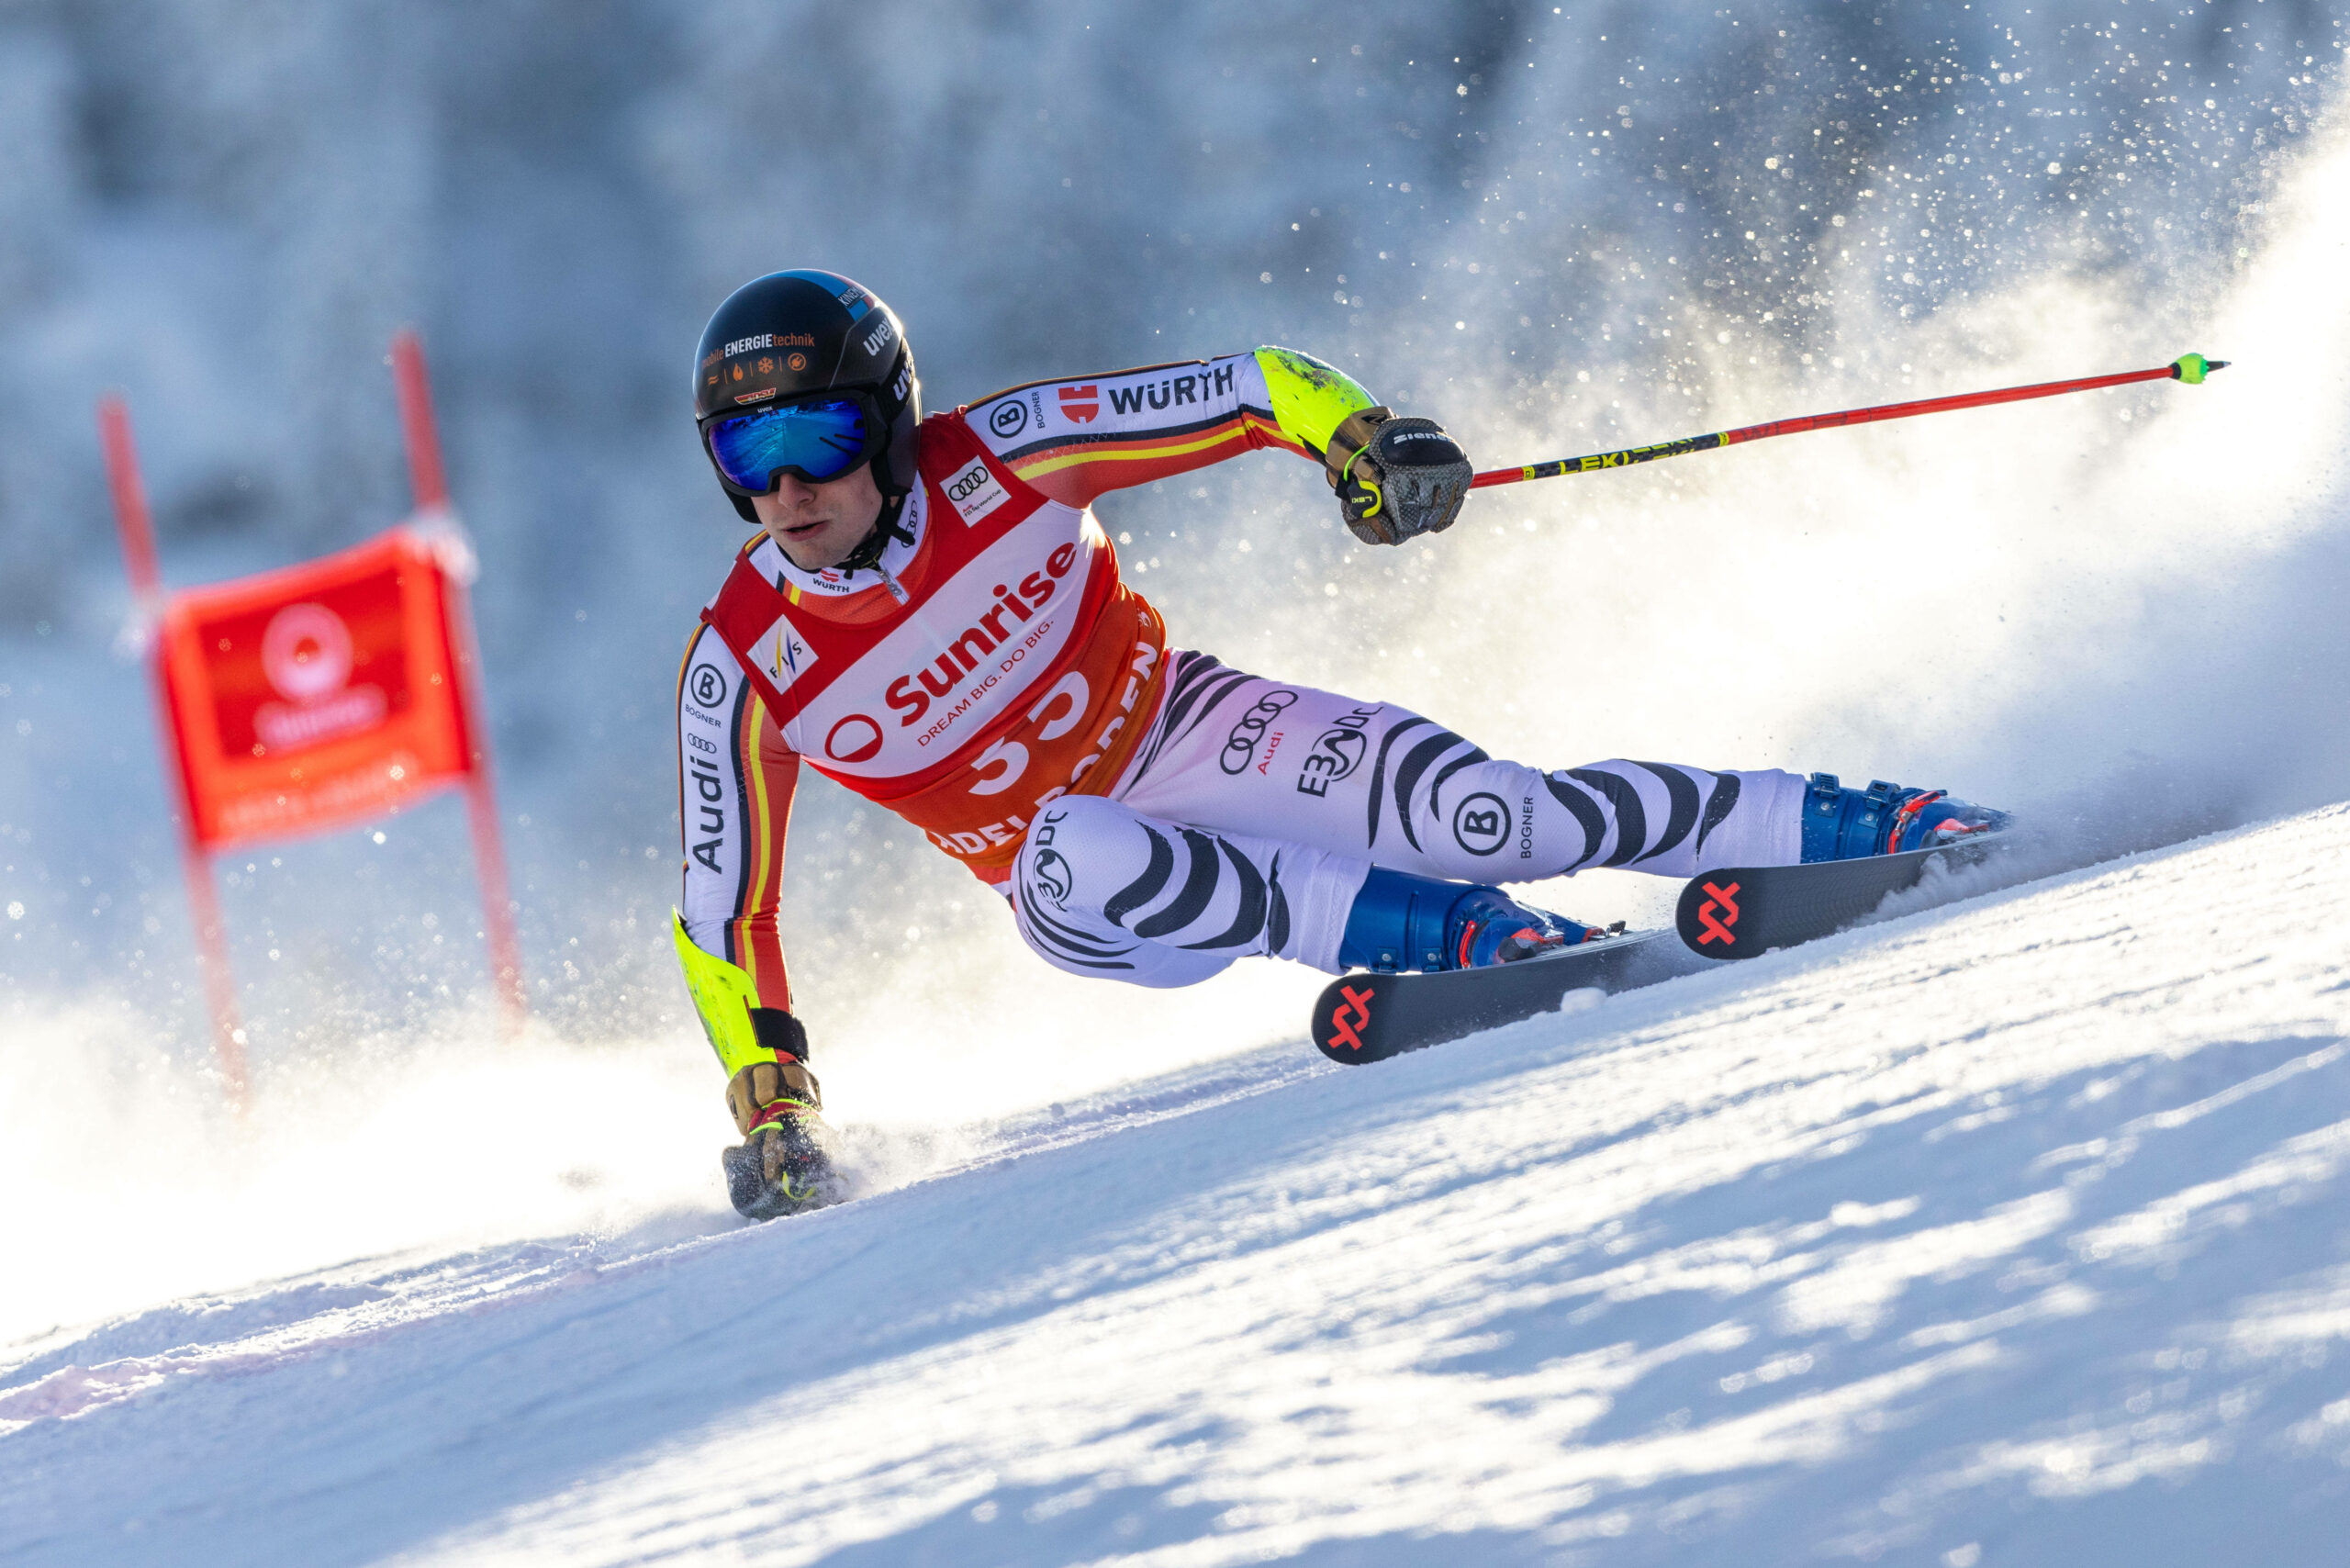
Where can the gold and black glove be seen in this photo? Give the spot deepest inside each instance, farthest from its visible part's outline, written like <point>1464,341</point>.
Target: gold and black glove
<point>1396,477</point>
<point>784,1163</point>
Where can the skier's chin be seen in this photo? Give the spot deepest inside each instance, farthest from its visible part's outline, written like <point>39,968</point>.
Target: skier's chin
<point>818,544</point>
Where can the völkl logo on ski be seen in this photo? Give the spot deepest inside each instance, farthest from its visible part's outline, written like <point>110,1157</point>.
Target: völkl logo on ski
<point>1352,1012</point>
<point>1717,928</point>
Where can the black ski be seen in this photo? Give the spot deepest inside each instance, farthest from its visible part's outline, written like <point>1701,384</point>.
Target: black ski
<point>1368,1018</point>
<point>1743,911</point>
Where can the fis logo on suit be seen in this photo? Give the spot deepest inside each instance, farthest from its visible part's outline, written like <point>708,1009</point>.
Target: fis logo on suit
<point>1337,751</point>
<point>1481,824</point>
<point>1241,745</point>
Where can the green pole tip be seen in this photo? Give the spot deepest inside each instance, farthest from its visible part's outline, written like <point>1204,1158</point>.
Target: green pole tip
<point>2193,367</point>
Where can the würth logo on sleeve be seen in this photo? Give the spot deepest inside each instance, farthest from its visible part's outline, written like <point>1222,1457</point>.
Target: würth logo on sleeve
<point>1081,403</point>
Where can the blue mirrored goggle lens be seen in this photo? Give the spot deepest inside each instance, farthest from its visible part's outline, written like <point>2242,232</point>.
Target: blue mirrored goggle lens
<point>817,440</point>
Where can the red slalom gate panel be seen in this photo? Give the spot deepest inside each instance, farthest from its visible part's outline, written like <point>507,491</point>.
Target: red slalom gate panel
<point>318,696</point>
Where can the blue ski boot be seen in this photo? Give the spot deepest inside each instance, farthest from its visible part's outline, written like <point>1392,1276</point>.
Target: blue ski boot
<point>1884,819</point>
<point>1403,922</point>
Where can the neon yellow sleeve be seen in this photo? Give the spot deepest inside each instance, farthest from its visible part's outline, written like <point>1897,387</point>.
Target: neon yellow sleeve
<point>723,996</point>
<point>1309,398</point>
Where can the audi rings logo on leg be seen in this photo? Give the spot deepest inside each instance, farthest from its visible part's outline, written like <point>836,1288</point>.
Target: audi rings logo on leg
<point>1481,824</point>
<point>1241,745</point>
<point>855,739</point>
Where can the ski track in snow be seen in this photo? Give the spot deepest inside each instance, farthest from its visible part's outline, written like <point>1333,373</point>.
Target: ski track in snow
<point>2005,1232</point>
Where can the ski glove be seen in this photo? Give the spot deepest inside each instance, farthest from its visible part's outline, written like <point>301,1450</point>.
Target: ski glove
<point>783,1164</point>
<point>785,1168</point>
<point>1396,477</point>
<point>765,1090</point>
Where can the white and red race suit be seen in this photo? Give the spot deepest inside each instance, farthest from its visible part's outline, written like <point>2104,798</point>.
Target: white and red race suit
<point>994,682</point>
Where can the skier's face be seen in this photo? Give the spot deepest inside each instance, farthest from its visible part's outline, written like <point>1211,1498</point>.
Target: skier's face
<point>818,525</point>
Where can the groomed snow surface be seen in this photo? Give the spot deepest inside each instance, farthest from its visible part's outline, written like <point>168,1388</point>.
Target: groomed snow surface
<point>2011,1232</point>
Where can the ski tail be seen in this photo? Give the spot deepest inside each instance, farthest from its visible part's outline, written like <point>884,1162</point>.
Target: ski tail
<point>1366,1017</point>
<point>1743,911</point>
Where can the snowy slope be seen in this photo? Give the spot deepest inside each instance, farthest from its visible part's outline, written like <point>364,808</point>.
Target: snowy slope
<point>2009,1232</point>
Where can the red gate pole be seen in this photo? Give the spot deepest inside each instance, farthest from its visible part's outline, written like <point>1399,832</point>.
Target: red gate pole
<point>427,481</point>
<point>481,815</point>
<point>211,934</point>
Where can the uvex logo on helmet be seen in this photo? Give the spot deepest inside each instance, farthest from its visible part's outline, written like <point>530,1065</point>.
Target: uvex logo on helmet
<point>806,330</point>
<point>940,677</point>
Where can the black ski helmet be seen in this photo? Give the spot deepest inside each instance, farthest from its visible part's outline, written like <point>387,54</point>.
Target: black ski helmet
<point>805,330</point>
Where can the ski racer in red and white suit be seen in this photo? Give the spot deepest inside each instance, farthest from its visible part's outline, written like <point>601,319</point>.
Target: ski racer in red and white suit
<point>997,666</point>
<point>1150,813</point>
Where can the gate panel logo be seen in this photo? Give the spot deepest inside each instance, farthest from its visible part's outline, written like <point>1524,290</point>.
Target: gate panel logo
<point>305,656</point>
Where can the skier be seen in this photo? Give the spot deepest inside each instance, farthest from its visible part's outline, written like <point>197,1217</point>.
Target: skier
<point>932,616</point>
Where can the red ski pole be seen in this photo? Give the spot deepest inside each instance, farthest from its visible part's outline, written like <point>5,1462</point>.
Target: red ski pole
<point>2190,368</point>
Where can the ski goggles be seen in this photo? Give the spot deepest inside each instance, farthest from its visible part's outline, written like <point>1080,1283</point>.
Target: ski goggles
<point>813,440</point>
